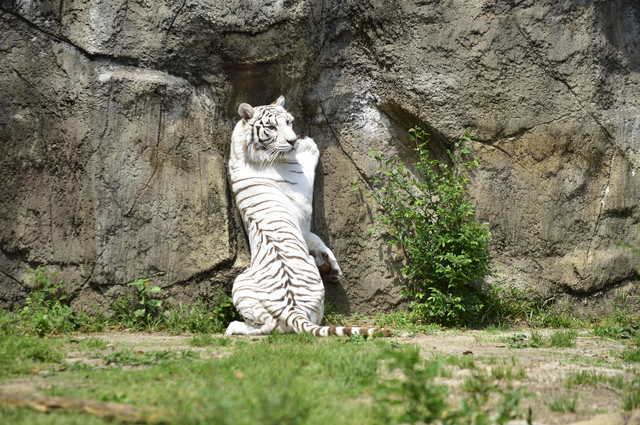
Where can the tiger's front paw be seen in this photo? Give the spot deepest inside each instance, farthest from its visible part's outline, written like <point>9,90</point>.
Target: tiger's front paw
<point>307,145</point>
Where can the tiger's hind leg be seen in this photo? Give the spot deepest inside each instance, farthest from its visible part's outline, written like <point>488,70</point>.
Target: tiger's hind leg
<point>258,321</point>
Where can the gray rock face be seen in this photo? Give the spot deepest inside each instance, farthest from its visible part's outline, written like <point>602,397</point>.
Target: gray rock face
<point>116,119</point>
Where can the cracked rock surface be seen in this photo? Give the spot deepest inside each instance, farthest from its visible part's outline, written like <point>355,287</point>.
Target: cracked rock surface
<point>116,118</point>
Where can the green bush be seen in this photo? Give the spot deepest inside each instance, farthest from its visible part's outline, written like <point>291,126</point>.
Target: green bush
<point>47,310</point>
<point>428,213</point>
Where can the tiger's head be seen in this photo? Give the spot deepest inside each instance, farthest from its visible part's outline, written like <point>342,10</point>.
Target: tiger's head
<point>267,131</point>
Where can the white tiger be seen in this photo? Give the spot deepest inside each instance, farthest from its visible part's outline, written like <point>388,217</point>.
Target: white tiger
<point>272,173</point>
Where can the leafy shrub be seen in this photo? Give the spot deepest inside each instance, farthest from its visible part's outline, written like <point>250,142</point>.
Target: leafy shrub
<point>430,216</point>
<point>47,309</point>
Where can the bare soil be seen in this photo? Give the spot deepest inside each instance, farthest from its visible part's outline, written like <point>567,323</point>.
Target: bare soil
<point>543,371</point>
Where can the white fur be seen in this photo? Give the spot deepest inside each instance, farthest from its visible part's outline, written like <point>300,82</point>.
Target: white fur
<point>274,185</point>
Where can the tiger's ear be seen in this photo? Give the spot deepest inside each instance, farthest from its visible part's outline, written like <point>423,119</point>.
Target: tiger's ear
<point>246,111</point>
<point>279,102</point>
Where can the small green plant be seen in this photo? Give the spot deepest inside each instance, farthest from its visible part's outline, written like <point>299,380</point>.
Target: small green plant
<point>429,215</point>
<point>117,397</point>
<point>617,331</point>
<point>222,309</point>
<point>149,308</point>
<point>331,317</point>
<point>95,321</point>
<point>405,320</point>
<point>564,404</point>
<point>417,398</point>
<point>462,362</point>
<point>357,339</point>
<point>563,339</point>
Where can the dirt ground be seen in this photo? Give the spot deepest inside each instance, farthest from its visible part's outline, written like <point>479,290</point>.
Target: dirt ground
<point>543,371</point>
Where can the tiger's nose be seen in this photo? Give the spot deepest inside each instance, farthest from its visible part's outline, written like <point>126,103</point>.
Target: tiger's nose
<point>292,142</point>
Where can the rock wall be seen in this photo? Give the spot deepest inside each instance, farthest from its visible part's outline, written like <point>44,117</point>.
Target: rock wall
<point>116,119</point>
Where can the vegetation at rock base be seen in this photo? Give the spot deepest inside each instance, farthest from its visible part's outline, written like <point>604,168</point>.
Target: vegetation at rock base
<point>426,211</point>
<point>48,310</point>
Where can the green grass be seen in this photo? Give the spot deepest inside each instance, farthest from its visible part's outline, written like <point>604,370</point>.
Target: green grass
<point>564,404</point>
<point>206,340</point>
<point>508,373</point>
<point>151,357</point>
<point>588,377</point>
<point>27,416</point>
<point>523,341</point>
<point>277,381</point>
<point>462,362</point>
<point>406,321</point>
<point>20,354</point>
<point>92,344</point>
<point>563,339</point>
<point>631,398</point>
<point>280,379</point>
<point>630,354</point>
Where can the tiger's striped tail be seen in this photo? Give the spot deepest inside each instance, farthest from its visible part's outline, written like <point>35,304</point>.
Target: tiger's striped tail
<point>301,324</point>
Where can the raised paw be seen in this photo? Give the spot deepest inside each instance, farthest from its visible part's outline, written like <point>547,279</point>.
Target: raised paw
<point>307,145</point>
<point>327,266</point>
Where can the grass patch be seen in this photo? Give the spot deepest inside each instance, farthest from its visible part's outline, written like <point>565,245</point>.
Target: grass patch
<point>630,354</point>
<point>147,358</point>
<point>508,373</point>
<point>48,310</point>
<point>274,381</point>
<point>26,416</point>
<point>206,340</point>
<point>631,398</point>
<point>462,362</point>
<point>92,344</point>
<point>564,404</point>
<point>563,339</point>
<point>20,354</point>
<point>523,340</point>
<point>406,321</point>
<point>588,377</point>
<point>283,379</point>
